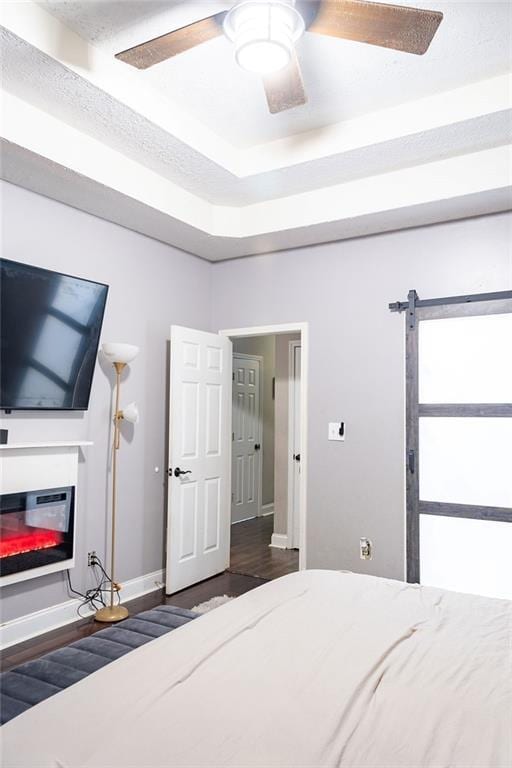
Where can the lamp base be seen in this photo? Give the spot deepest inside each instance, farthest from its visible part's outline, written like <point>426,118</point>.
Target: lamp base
<point>111,614</point>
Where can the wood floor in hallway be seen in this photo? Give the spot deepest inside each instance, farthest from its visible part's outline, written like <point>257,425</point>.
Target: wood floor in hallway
<point>251,554</point>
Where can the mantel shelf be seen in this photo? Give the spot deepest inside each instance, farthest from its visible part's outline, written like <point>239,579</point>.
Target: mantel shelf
<point>57,444</point>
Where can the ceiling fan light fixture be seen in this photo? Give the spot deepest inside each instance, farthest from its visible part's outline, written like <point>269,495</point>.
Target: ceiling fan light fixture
<point>264,34</point>
<point>262,56</point>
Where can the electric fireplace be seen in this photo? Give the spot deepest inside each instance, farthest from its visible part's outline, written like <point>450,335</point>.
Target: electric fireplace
<point>36,529</point>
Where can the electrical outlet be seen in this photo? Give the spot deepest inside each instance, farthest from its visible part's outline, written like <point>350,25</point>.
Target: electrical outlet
<point>91,557</point>
<point>365,549</point>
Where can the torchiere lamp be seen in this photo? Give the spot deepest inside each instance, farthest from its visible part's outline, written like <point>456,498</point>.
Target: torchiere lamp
<point>119,355</point>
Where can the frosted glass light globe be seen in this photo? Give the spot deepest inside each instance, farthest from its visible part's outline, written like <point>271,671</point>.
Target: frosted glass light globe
<point>131,413</point>
<point>263,56</point>
<point>119,353</point>
<point>263,33</point>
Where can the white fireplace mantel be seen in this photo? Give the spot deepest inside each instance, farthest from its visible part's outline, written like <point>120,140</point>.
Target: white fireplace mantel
<point>54,444</point>
<point>27,467</point>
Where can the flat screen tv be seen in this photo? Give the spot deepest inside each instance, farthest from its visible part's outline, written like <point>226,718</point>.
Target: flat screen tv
<point>50,327</point>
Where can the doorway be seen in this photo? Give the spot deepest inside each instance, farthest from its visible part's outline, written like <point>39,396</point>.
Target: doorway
<point>268,461</point>
<point>200,458</point>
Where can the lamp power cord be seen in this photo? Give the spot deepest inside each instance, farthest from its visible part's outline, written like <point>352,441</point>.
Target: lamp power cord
<point>93,598</point>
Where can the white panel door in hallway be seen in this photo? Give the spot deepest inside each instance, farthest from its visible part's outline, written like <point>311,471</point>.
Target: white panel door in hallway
<point>246,445</point>
<point>198,526</point>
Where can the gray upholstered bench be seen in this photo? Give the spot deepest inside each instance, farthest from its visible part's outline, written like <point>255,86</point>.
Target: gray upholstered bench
<point>34,681</point>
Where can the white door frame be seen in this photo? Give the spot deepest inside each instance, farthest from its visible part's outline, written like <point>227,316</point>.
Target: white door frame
<point>259,359</point>
<point>292,346</point>
<point>279,330</point>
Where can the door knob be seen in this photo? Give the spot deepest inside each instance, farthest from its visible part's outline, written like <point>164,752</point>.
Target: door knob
<point>296,456</point>
<point>178,472</point>
<point>257,446</point>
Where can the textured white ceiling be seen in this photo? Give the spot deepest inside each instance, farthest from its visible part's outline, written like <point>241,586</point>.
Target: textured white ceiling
<point>42,81</point>
<point>188,153</point>
<point>343,79</point>
<point>59,183</point>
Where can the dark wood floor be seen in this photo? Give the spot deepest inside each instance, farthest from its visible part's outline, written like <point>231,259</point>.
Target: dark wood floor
<point>252,563</point>
<point>251,554</point>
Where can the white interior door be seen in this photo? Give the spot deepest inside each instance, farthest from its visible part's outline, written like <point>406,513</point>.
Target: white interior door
<point>246,444</point>
<point>198,529</point>
<point>294,489</point>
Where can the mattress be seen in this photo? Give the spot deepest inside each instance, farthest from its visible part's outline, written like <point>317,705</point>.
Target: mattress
<point>315,669</point>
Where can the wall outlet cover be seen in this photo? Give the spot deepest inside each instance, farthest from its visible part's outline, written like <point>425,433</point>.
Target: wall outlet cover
<point>365,548</point>
<point>91,557</point>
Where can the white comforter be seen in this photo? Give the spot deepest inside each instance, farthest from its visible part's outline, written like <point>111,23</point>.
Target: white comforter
<point>315,669</point>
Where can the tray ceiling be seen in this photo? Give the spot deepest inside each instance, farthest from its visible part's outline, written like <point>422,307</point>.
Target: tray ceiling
<point>343,79</point>
<point>217,163</point>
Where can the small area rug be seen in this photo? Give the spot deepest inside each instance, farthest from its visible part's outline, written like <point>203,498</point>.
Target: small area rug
<point>212,603</point>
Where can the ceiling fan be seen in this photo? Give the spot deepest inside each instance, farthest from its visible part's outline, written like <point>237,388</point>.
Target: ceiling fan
<point>264,33</point>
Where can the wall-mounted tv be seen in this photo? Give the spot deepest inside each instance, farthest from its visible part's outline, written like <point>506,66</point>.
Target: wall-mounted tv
<point>50,327</point>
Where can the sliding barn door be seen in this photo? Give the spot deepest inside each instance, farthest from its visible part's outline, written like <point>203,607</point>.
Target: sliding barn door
<point>199,489</point>
<point>459,445</point>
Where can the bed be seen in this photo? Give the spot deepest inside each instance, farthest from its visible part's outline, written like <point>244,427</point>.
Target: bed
<point>315,669</point>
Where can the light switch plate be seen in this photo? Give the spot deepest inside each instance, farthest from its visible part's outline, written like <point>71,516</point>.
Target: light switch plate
<point>334,431</point>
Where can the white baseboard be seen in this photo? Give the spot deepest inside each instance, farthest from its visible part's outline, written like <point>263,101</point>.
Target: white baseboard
<point>266,509</point>
<point>279,540</point>
<point>32,624</point>
<point>243,520</point>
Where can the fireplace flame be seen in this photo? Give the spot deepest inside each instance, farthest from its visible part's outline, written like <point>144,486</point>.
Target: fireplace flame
<point>29,540</point>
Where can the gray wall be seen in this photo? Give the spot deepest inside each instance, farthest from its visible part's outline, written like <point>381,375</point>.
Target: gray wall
<point>151,286</point>
<point>264,346</point>
<point>356,488</point>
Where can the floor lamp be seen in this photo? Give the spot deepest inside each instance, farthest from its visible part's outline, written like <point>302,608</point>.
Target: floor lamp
<point>119,355</point>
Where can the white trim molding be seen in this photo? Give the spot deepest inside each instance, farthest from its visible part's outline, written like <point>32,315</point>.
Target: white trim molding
<point>244,520</point>
<point>292,508</point>
<point>33,624</point>
<point>279,541</point>
<point>54,444</point>
<point>267,509</point>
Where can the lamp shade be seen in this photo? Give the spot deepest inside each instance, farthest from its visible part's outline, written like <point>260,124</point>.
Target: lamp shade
<point>131,413</point>
<point>119,353</point>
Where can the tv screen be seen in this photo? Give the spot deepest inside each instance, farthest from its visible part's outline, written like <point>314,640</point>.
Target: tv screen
<point>50,326</point>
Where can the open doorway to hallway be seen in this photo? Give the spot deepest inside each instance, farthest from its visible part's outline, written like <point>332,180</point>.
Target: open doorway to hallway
<point>200,459</point>
<point>266,454</point>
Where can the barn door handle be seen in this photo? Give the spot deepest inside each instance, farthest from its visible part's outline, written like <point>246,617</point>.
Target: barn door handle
<point>178,472</point>
<point>411,461</point>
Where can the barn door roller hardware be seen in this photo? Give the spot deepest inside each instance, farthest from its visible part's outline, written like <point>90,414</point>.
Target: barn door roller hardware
<point>402,306</point>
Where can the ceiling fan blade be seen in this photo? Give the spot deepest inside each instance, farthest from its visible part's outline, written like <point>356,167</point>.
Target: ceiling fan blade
<point>284,89</point>
<point>164,47</point>
<point>391,26</point>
